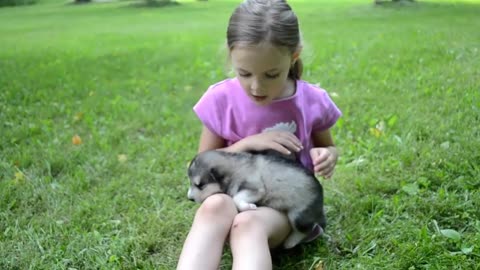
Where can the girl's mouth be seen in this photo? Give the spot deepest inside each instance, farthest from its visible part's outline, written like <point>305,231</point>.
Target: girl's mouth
<point>259,98</point>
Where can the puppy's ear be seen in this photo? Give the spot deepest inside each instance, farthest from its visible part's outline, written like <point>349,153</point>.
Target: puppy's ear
<point>191,167</point>
<point>191,163</point>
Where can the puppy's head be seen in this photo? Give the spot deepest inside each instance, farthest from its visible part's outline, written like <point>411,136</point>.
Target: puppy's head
<point>205,179</point>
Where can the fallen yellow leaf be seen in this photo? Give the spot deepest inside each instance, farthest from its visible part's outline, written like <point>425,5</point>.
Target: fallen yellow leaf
<point>319,266</point>
<point>376,132</point>
<point>76,140</point>
<point>78,116</point>
<point>19,175</point>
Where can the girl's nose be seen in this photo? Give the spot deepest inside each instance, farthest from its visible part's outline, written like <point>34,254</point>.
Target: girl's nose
<point>254,86</point>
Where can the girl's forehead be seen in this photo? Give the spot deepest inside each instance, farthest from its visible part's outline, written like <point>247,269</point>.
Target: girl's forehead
<point>259,56</point>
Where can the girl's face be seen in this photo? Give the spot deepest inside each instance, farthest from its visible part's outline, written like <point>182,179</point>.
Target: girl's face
<point>263,71</point>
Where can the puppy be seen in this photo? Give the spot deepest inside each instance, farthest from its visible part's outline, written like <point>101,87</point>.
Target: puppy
<point>262,179</point>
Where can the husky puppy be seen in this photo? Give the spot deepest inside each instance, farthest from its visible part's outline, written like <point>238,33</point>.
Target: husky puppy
<point>262,179</point>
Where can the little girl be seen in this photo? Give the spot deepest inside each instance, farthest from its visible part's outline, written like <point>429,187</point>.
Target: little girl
<point>266,106</point>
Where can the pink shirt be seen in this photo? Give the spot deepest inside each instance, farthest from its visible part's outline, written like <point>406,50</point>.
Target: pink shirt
<point>226,110</point>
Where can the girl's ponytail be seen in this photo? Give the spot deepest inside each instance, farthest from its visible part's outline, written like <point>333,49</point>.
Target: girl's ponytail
<point>295,72</point>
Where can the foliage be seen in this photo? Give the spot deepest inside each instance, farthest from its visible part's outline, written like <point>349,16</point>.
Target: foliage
<point>82,1</point>
<point>97,129</point>
<point>4,3</point>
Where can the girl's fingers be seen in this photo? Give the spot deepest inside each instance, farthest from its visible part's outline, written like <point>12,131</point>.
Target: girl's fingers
<point>329,171</point>
<point>288,144</point>
<point>280,148</point>
<point>320,155</point>
<point>288,137</point>
<point>294,139</point>
<point>283,142</point>
<point>329,175</point>
<point>321,167</point>
<point>326,173</point>
<point>323,160</point>
<point>325,168</point>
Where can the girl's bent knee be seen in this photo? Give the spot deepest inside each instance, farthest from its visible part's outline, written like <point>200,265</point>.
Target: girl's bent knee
<point>217,207</point>
<point>247,223</point>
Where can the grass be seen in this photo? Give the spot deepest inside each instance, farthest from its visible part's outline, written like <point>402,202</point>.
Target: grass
<point>406,191</point>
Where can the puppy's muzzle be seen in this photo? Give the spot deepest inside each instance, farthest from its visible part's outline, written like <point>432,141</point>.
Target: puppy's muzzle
<point>189,195</point>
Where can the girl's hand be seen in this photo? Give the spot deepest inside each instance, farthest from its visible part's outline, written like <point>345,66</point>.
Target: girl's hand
<point>324,160</point>
<point>281,141</point>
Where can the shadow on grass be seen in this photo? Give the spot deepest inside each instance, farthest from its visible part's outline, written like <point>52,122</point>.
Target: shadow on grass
<point>134,4</point>
<point>302,256</point>
<point>153,4</point>
<point>78,3</point>
<point>394,3</point>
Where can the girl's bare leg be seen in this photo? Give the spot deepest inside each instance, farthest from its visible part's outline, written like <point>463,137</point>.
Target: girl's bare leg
<point>252,235</point>
<point>204,244</point>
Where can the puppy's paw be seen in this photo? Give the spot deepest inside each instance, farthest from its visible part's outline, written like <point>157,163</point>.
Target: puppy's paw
<point>244,206</point>
<point>293,239</point>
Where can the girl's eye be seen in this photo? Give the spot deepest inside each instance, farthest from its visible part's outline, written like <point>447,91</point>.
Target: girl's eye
<point>245,75</point>
<point>272,76</point>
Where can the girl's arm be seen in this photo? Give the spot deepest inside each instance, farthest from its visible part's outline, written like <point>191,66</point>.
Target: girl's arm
<point>210,140</point>
<point>322,139</point>
<point>324,154</point>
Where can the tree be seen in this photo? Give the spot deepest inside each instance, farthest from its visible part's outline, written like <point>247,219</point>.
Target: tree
<point>378,2</point>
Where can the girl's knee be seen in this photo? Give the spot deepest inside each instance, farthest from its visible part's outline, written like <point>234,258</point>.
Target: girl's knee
<point>217,207</point>
<point>247,223</point>
<point>263,223</point>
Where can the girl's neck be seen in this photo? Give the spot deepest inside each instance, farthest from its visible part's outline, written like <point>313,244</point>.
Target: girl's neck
<point>290,88</point>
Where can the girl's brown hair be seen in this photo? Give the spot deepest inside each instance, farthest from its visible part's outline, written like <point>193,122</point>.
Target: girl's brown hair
<point>257,21</point>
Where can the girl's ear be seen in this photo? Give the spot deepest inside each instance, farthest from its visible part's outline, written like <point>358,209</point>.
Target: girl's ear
<point>296,55</point>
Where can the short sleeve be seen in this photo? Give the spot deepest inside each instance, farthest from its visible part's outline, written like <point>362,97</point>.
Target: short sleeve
<point>324,111</point>
<point>209,110</point>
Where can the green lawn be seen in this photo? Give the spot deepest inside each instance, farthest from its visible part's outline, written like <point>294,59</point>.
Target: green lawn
<point>407,78</point>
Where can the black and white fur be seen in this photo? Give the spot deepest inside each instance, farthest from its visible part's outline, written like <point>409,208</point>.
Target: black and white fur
<point>260,179</point>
